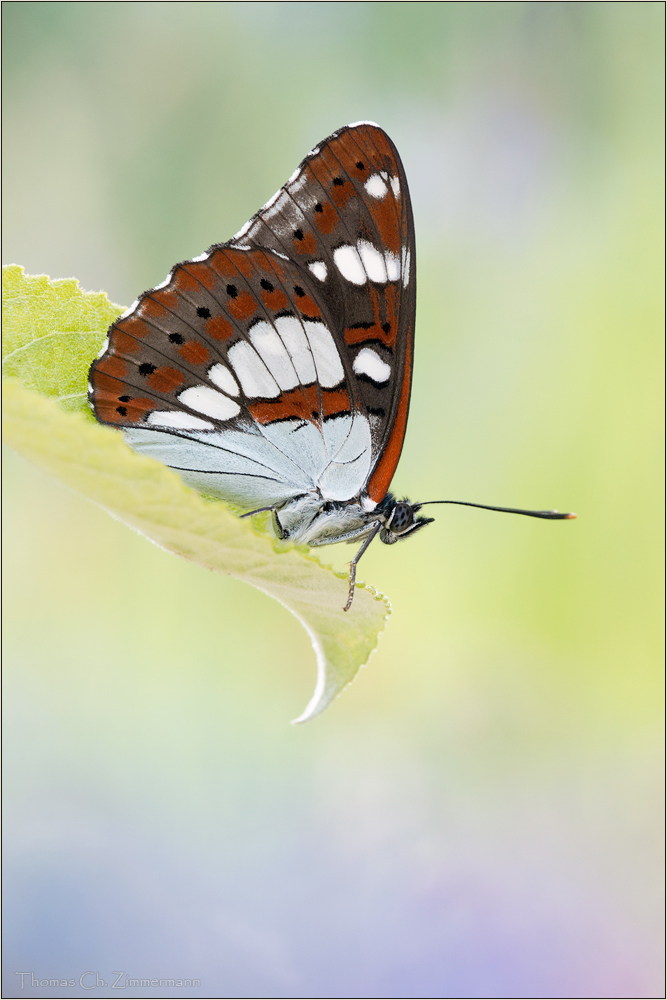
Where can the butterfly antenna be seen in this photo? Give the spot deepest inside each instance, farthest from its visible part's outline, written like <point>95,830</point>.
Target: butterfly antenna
<point>549,515</point>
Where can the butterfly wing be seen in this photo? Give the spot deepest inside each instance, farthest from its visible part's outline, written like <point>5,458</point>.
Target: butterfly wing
<point>280,361</point>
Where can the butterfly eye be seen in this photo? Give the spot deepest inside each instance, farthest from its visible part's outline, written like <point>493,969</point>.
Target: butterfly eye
<point>266,285</point>
<point>232,291</point>
<point>401,518</point>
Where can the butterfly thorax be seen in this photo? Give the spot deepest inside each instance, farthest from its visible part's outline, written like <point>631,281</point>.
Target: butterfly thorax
<point>313,520</point>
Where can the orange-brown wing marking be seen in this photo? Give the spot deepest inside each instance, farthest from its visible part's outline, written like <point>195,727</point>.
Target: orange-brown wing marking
<point>309,403</point>
<point>384,326</point>
<point>384,470</point>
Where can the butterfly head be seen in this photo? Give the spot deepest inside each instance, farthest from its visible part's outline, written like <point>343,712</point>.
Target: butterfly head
<point>401,519</point>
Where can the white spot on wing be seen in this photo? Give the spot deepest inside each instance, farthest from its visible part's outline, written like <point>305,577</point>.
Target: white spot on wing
<point>348,262</point>
<point>395,187</point>
<point>206,400</point>
<point>201,256</point>
<point>354,124</point>
<point>272,200</point>
<point>223,378</point>
<point>163,284</point>
<point>393,265</point>
<point>375,186</point>
<point>298,183</point>
<point>294,339</point>
<point>318,268</point>
<point>178,420</point>
<point>129,310</point>
<point>278,254</point>
<point>373,261</point>
<point>104,347</point>
<point>406,267</point>
<point>327,361</point>
<point>242,231</point>
<point>251,371</point>
<point>294,175</point>
<point>270,347</point>
<point>314,151</point>
<point>367,362</point>
<point>276,204</point>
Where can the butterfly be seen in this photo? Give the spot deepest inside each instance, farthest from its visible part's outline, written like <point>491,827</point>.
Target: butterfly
<point>274,370</point>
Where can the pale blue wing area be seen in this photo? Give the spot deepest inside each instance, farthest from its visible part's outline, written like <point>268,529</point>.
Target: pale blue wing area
<point>348,441</point>
<point>242,468</point>
<point>254,469</point>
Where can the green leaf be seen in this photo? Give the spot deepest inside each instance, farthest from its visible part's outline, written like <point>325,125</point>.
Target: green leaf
<point>53,330</point>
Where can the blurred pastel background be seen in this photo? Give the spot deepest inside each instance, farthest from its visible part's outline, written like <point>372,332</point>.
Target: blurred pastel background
<point>479,815</point>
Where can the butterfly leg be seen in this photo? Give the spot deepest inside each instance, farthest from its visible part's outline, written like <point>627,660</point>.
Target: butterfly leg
<point>282,534</point>
<point>353,564</point>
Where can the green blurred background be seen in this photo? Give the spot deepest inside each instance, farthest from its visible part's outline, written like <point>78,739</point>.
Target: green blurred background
<point>479,815</point>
